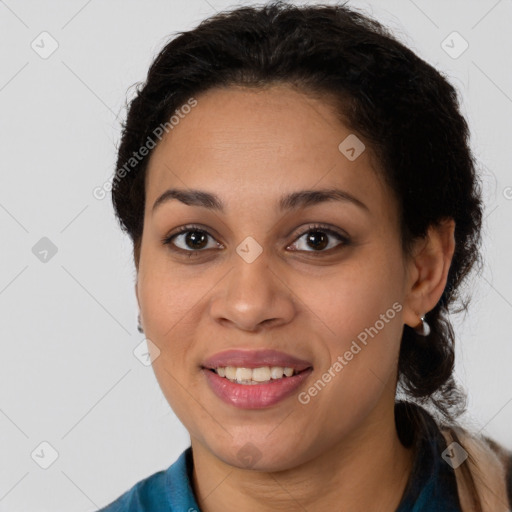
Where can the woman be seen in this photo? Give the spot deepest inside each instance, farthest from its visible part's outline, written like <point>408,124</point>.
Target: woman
<point>304,206</point>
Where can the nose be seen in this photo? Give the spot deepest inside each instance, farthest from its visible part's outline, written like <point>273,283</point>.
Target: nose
<point>253,296</point>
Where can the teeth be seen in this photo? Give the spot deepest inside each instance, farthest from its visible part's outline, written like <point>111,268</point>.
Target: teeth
<point>261,374</point>
<point>243,374</point>
<point>288,371</point>
<point>276,372</point>
<point>230,372</point>
<point>254,375</point>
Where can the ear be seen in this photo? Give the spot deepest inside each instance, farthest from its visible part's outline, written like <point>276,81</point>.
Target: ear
<point>428,271</point>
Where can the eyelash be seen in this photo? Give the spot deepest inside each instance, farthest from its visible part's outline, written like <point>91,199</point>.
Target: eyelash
<point>167,240</point>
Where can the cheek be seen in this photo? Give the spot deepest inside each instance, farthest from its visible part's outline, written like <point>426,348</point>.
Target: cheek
<point>360,370</point>
<point>358,314</point>
<point>169,299</point>
<point>355,296</point>
<point>170,308</point>
<point>361,330</point>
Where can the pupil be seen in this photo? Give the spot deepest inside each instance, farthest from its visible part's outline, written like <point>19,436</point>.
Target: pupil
<point>194,237</point>
<point>318,244</point>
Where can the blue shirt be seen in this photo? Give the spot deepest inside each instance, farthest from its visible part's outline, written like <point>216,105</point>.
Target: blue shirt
<point>431,487</point>
<point>168,490</point>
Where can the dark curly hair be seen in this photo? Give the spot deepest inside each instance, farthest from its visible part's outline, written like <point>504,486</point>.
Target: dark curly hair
<point>405,110</point>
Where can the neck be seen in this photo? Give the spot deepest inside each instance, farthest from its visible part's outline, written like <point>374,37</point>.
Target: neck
<point>368,471</point>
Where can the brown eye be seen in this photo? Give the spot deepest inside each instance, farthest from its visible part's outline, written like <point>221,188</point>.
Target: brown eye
<point>318,239</point>
<point>195,239</point>
<point>189,239</point>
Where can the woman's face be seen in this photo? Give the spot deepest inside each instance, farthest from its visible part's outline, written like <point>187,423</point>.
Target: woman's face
<point>319,280</point>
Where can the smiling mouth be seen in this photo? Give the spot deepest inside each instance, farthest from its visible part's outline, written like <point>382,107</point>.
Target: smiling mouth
<point>255,376</point>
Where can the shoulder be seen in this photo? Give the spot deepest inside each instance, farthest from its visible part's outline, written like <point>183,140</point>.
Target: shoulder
<point>165,490</point>
<point>482,466</point>
<point>146,494</point>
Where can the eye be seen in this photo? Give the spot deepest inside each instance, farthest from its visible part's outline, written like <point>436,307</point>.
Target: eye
<point>317,237</point>
<point>191,239</point>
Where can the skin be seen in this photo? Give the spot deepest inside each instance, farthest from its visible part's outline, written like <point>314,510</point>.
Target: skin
<point>250,147</point>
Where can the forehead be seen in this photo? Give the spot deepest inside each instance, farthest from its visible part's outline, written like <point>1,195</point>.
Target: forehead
<point>237,141</point>
<point>241,121</point>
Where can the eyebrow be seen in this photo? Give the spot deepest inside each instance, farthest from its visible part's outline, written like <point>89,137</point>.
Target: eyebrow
<point>292,201</point>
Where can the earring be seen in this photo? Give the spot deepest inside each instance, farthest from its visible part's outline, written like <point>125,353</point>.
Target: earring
<point>139,327</point>
<point>423,329</point>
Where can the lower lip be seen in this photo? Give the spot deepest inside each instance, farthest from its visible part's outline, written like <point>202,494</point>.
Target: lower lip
<point>254,396</point>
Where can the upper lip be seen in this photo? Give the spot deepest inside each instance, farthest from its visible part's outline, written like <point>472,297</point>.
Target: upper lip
<point>255,359</point>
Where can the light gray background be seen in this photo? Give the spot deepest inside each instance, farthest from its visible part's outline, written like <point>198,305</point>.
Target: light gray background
<point>68,375</point>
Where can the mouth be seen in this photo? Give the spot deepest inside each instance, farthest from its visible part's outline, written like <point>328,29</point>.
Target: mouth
<point>255,376</point>
<point>254,379</point>
<point>255,366</point>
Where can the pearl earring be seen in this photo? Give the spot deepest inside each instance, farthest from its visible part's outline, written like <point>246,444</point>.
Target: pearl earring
<point>423,329</point>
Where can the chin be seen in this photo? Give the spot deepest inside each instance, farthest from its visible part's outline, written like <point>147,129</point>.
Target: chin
<point>261,456</point>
